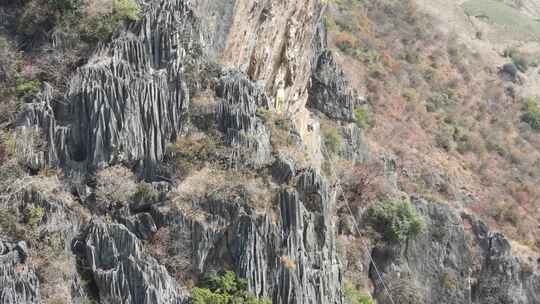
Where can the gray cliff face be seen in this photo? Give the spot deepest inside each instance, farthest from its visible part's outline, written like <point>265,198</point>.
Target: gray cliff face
<point>18,281</point>
<point>122,271</point>
<point>456,260</point>
<point>129,101</point>
<point>502,278</point>
<point>330,92</point>
<point>238,120</point>
<point>287,254</point>
<point>135,96</point>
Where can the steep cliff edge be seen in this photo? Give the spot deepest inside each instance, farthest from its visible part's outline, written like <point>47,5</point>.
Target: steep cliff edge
<point>206,137</point>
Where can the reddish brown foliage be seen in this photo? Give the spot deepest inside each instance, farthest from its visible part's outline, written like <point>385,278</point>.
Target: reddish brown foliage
<point>364,183</point>
<point>345,41</point>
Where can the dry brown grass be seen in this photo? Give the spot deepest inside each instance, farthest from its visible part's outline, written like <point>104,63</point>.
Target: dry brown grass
<point>115,184</point>
<point>441,109</point>
<point>208,180</point>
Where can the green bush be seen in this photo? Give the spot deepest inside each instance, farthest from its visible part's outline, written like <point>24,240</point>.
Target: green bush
<point>332,139</point>
<point>191,152</point>
<point>27,87</point>
<point>531,113</point>
<point>193,149</point>
<point>91,20</point>
<point>101,27</point>
<point>126,9</point>
<point>363,117</point>
<point>441,100</point>
<point>521,61</point>
<point>145,193</point>
<point>355,296</point>
<point>397,220</point>
<point>224,289</point>
<point>34,215</point>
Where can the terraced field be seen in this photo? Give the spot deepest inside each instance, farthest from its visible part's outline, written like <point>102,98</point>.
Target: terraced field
<point>506,18</point>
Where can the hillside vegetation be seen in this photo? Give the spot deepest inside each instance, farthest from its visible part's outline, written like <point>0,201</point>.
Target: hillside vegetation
<point>458,126</point>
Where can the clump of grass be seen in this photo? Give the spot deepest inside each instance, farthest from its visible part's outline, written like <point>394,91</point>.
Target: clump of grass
<point>531,113</point>
<point>280,128</point>
<point>332,139</point>
<point>190,152</point>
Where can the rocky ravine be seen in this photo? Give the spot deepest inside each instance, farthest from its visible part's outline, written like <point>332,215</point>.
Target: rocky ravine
<point>134,97</point>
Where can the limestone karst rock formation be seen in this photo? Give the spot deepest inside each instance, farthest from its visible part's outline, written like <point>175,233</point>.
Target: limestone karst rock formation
<point>134,97</point>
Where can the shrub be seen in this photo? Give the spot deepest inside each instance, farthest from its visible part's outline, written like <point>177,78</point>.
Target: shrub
<point>34,215</point>
<point>27,87</point>
<point>189,152</point>
<point>346,42</point>
<point>9,221</point>
<point>145,193</point>
<point>126,9</point>
<point>280,128</point>
<point>332,139</point>
<point>504,211</point>
<point>520,60</point>
<point>441,99</point>
<point>449,280</point>
<point>64,5</point>
<point>363,117</point>
<point>397,220</point>
<point>531,113</point>
<point>364,182</point>
<point>101,24</point>
<point>193,148</point>
<point>224,289</point>
<point>444,136</point>
<point>8,145</point>
<point>355,296</point>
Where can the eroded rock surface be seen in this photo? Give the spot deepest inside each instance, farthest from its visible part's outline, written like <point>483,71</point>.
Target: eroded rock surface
<point>287,254</point>
<point>18,281</point>
<point>132,99</point>
<point>121,269</point>
<point>451,264</point>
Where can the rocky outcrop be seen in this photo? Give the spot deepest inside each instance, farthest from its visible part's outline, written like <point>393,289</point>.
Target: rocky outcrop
<point>354,146</point>
<point>122,271</point>
<point>271,41</point>
<point>133,98</point>
<point>18,282</point>
<point>237,114</point>
<point>330,92</point>
<point>128,102</point>
<point>41,140</point>
<point>287,254</point>
<point>455,260</point>
<point>500,277</point>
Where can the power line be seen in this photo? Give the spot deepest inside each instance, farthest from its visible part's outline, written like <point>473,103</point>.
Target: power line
<point>385,288</point>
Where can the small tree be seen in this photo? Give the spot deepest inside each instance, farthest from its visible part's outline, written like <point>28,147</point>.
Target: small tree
<point>531,114</point>
<point>396,220</point>
<point>224,289</point>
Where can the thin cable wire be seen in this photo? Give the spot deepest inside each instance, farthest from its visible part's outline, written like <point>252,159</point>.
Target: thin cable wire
<point>385,288</point>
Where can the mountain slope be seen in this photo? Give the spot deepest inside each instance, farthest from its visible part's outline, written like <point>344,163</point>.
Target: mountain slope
<point>306,146</point>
